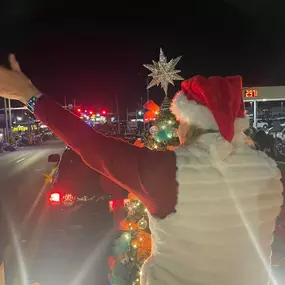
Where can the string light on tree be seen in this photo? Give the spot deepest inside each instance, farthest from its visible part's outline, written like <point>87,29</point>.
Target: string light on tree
<point>163,134</point>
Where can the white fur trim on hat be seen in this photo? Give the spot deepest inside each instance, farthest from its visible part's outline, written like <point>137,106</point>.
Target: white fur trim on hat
<point>191,112</point>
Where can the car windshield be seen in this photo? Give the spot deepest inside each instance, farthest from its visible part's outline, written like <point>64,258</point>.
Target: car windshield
<point>74,173</point>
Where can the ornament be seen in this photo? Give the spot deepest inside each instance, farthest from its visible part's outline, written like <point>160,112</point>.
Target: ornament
<point>174,133</point>
<point>153,130</point>
<point>151,106</point>
<point>48,178</point>
<point>142,224</point>
<point>152,111</point>
<point>139,143</point>
<point>163,135</point>
<point>121,244</point>
<point>124,226</point>
<point>127,226</point>
<point>163,72</point>
<point>144,244</point>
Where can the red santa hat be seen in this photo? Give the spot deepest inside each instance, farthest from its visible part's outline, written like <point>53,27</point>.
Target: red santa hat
<point>214,103</point>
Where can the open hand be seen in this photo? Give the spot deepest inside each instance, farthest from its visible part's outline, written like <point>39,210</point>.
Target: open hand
<point>14,84</point>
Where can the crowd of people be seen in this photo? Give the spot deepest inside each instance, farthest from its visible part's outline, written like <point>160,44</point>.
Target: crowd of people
<point>22,139</point>
<point>266,142</point>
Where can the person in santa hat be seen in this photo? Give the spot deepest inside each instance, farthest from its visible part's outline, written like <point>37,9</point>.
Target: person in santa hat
<point>212,203</point>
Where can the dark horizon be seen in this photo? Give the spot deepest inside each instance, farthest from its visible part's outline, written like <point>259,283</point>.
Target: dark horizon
<point>93,56</point>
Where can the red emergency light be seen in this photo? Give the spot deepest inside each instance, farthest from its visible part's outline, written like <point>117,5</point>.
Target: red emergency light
<point>114,204</point>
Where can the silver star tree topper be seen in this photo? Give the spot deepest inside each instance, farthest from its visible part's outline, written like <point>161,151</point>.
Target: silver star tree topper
<point>163,72</point>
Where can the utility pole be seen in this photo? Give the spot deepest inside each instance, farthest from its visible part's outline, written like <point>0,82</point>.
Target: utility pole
<point>127,120</point>
<point>143,113</point>
<point>6,120</point>
<point>147,96</point>
<point>118,116</point>
<point>147,89</point>
<point>10,114</point>
<point>65,102</point>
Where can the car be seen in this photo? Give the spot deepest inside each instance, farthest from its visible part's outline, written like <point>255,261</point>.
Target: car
<point>262,125</point>
<point>76,200</point>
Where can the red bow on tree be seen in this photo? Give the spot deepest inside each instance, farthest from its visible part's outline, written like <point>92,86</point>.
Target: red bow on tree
<point>139,143</point>
<point>152,111</point>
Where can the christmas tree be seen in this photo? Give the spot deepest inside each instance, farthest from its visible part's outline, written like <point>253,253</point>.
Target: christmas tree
<point>163,132</point>
<point>132,247</point>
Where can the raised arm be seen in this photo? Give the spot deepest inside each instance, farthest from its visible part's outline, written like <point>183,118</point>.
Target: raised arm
<point>147,174</point>
<point>114,158</point>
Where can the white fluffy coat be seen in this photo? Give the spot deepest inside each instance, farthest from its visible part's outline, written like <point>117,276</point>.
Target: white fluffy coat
<point>229,197</point>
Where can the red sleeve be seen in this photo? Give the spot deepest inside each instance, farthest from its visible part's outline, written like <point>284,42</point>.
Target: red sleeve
<point>150,175</point>
<point>112,188</point>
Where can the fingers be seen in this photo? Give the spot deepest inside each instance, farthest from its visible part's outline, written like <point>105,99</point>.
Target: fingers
<point>15,66</point>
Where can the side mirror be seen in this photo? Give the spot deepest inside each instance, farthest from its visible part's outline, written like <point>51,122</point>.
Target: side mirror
<point>54,158</point>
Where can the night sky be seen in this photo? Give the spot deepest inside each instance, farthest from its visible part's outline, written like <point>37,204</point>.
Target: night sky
<point>93,52</point>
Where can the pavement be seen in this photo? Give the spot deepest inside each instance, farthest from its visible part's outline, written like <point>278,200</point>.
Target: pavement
<point>32,249</point>
<point>22,187</point>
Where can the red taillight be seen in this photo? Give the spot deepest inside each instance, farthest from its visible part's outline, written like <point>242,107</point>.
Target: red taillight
<point>54,198</point>
<point>113,204</point>
<point>66,199</point>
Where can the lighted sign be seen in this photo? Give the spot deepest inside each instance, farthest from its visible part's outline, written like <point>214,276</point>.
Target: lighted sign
<point>251,93</point>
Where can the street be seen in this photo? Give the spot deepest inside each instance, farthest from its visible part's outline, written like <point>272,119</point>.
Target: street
<point>33,250</point>
<point>22,187</point>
